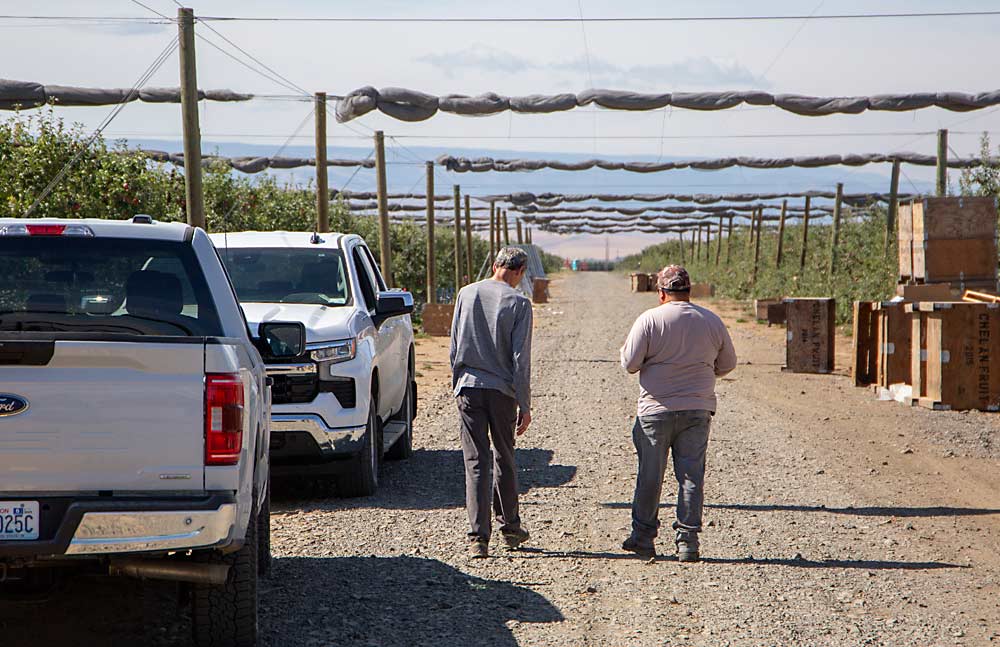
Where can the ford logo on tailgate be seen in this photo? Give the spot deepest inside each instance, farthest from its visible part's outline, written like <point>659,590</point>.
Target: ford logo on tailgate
<point>11,405</point>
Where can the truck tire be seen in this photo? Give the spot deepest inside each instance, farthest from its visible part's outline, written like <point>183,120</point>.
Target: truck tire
<point>361,477</point>
<point>403,447</point>
<point>264,534</point>
<point>226,616</point>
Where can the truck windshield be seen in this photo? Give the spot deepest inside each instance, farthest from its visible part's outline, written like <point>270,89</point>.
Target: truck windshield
<point>288,275</point>
<point>52,284</point>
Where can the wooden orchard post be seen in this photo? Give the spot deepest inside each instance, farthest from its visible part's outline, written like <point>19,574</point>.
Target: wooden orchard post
<point>506,229</point>
<point>729,241</point>
<point>756,250</point>
<point>520,235</point>
<point>697,255</point>
<point>680,234</point>
<point>753,223</point>
<point>193,191</point>
<point>322,184</point>
<point>384,244</point>
<point>493,232</point>
<point>458,238</point>
<point>692,245</point>
<point>431,278</point>
<point>468,239</point>
<point>805,236</point>
<point>890,213</point>
<point>942,163</point>
<point>718,247</point>
<point>781,233</point>
<point>835,237</point>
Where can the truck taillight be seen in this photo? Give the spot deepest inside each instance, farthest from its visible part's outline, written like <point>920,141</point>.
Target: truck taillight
<point>223,418</point>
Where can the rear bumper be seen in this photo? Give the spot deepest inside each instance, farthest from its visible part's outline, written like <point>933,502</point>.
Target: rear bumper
<point>304,438</point>
<point>134,525</point>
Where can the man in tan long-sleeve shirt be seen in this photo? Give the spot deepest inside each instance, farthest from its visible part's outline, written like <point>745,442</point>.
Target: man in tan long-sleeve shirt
<point>678,349</point>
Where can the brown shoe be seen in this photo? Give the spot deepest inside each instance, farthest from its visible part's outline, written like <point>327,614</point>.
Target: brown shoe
<point>515,537</point>
<point>479,549</point>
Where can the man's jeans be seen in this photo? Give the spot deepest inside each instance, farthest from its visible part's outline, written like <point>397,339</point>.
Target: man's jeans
<point>686,432</point>
<point>487,413</point>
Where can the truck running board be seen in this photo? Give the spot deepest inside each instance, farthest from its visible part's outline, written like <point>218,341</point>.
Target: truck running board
<point>391,432</point>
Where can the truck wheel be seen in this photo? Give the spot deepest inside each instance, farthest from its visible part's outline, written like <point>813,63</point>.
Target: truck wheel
<point>264,534</point>
<point>403,447</point>
<point>361,478</point>
<point>226,616</point>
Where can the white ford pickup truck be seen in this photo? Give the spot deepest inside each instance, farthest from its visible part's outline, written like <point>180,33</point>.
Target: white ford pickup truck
<point>351,397</point>
<point>134,420</point>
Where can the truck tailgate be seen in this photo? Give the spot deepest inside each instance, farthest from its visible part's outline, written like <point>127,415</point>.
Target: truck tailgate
<point>118,416</point>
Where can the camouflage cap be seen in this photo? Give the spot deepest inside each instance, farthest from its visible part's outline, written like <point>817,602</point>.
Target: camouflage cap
<point>673,278</point>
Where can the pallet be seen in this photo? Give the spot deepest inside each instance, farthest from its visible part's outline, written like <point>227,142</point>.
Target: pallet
<point>957,356</point>
<point>810,339</point>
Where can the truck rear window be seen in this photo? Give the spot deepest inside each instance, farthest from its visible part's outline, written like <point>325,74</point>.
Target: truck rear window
<point>288,275</point>
<point>113,285</point>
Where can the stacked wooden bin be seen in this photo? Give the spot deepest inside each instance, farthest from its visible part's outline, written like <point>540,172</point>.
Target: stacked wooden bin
<point>928,346</point>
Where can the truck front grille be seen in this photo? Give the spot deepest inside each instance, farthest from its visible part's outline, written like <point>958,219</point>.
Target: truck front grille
<point>343,389</point>
<point>291,388</point>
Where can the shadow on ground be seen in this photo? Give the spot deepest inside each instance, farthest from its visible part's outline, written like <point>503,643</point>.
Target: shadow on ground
<point>864,564</point>
<point>393,601</point>
<point>430,479</point>
<point>872,511</point>
<point>366,601</point>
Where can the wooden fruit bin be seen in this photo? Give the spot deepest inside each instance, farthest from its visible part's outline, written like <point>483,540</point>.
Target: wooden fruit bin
<point>810,338</point>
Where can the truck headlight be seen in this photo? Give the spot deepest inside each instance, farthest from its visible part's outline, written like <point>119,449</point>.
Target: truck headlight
<point>335,352</point>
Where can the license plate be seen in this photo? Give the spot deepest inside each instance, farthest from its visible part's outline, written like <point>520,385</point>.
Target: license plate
<point>18,520</point>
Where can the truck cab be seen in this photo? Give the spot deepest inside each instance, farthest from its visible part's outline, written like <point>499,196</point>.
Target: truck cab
<point>349,400</point>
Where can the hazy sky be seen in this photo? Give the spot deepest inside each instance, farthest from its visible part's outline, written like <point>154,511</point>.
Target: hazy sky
<point>842,57</point>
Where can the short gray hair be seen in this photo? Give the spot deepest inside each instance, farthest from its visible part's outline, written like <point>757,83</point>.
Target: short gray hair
<point>511,258</point>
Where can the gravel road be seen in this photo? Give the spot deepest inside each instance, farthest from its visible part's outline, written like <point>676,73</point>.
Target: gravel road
<point>833,519</point>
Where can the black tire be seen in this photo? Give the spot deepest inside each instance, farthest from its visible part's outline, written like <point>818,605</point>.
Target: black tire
<point>226,616</point>
<point>403,447</point>
<point>264,534</point>
<point>361,477</point>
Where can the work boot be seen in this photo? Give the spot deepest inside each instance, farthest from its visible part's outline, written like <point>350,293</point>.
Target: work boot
<point>633,545</point>
<point>687,547</point>
<point>514,537</point>
<point>479,548</point>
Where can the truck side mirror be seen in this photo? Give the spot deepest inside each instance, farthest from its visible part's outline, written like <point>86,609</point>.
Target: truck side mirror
<point>392,303</point>
<point>282,339</point>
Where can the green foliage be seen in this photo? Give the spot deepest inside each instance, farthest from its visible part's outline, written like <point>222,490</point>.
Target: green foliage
<point>866,271</point>
<point>982,180</point>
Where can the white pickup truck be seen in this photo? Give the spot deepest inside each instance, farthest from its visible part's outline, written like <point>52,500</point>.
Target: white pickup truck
<point>134,419</point>
<point>351,397</point>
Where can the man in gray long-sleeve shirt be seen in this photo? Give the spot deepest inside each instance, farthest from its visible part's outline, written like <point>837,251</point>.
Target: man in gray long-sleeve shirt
<point>491,376</point>
<point>678,349</point>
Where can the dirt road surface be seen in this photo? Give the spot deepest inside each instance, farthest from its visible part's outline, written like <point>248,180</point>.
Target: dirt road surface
<point>832,518</point>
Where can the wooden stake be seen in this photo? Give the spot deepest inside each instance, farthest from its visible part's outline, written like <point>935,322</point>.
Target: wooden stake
<point>468,240</point>
<point>692,244</point>
<point>835,237</point>
<point>756,251</point>
<point>520,237</point>
<point>718,247</point>
<point>890,213</point>
<point>384,243</point>
<point>493,232</point>
<point>681,235</point>
<point>805,236</point>
<point>431,278</point>
<point>193,191</point>
<point>942,163</point>
<point>322,185</point>
<point>753,221</point>
<point>781,233</point>
<point>458,239</point>
<point>697,254</point>
<point>729,242</point>
<point>506,229</point>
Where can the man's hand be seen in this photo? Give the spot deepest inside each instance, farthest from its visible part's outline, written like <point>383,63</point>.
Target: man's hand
<point>523,420</point>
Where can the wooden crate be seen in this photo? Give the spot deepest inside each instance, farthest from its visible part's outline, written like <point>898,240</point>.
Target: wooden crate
<point>925,292</point>
<point>540,290</point>
<point>810,344</point>
<point>640,282</point>
<point>760,308</point>
<point>776,314</point>
<point>960,355</point>
<point>893,343</point>
<point>702,290</point>
<point>864,342</point>
<point>437,319</point>
<point>950,240</point>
